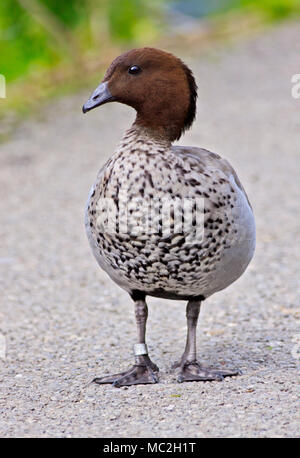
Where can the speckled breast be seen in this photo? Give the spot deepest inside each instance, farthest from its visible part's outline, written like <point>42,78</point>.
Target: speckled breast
<point>168,223</point>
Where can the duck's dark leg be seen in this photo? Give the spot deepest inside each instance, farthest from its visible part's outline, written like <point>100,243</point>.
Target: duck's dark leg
<point>190,369</point>
<point>144,370</point>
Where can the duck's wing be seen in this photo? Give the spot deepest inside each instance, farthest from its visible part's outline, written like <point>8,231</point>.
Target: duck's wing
<point>208,162</point>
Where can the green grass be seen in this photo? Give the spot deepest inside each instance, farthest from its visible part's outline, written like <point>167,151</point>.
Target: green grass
<point>39,34</point>
<point>273,10</point>
<point>48,47</point>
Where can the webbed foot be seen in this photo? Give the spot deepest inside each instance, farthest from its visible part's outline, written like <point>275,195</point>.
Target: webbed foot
<point>194,372</point>
<point>144,372</point>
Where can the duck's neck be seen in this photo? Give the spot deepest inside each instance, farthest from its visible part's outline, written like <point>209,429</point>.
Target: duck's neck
<point>144,139</point>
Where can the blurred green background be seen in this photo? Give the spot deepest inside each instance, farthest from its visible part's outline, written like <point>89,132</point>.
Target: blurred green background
<point>51,46</point>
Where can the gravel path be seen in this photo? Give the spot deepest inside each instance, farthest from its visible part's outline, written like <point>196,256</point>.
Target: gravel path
<point>65,322</point>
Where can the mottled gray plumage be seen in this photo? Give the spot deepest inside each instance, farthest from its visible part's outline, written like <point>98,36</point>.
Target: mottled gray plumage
<point>144,169</point>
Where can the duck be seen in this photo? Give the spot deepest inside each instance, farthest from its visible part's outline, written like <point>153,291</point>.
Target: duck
<point>165,220</point>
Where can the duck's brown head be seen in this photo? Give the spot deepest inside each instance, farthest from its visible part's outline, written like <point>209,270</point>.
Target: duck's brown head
<point>157,84</point>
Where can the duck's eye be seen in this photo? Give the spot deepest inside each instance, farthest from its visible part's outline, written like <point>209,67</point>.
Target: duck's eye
<point>134,70</point>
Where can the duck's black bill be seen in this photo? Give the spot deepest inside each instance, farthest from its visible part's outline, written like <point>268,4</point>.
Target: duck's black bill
<point>100,96</point>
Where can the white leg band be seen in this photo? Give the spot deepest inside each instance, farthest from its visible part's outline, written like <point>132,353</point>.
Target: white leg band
<point>140,349</point>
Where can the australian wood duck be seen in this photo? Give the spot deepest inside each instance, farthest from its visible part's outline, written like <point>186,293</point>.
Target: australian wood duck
<point>167,221</point>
